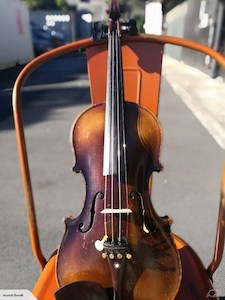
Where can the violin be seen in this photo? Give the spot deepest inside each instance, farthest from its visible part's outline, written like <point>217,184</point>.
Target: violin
<point>118,247</point>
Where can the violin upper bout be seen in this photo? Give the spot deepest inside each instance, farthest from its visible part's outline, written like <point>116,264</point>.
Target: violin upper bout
<point>88,128</point>
<point>150,135</point>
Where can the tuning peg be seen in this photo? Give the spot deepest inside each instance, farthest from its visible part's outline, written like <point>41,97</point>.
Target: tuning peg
<point>97,27</point>
<point>99,31</point>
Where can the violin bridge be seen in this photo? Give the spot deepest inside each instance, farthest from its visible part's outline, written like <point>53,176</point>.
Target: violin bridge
<point>116,211</point>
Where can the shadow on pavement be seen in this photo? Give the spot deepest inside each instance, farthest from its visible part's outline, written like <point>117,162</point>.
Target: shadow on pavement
<point>67,68</point>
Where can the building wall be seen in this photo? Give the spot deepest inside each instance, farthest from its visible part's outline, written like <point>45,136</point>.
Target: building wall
<point>175,20</point>
<point>16,44</point>
<point>196,20</point>
<point>199,21</point>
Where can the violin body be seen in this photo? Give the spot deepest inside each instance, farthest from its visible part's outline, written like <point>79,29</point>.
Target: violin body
<point>141,262</point>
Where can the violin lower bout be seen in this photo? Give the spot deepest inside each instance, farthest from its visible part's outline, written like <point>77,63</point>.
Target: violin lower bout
<point>152,271</point>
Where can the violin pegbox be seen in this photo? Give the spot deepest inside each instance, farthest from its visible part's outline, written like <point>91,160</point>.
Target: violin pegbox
<point>100,30</point>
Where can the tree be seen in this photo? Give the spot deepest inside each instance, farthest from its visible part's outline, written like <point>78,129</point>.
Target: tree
<point>47,4</point>
<point>62,4</point>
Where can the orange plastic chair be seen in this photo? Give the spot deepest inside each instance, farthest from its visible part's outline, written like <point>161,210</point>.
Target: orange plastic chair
<point>142,59</point>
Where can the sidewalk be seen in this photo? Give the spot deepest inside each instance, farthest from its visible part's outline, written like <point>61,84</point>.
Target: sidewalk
<point>196,162</point>
<point>204,96</point>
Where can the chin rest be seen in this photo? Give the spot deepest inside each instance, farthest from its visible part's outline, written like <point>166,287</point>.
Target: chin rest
<point>85,290</point>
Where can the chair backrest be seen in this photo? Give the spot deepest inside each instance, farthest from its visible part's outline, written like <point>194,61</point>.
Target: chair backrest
<point>142,72</point>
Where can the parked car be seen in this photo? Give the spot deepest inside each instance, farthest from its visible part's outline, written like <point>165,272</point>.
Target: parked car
<point>45,39</point>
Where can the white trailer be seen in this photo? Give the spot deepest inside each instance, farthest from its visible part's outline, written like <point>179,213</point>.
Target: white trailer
<point>15,37</point>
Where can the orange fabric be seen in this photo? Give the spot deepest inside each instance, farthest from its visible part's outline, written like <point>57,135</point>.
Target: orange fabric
<point>46,285</point>
<point>179,242</point>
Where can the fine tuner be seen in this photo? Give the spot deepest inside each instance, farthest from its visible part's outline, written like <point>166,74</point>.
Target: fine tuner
<point>112,250</point>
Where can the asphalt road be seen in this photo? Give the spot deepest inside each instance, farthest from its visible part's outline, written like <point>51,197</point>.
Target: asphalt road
<point>187,189</point>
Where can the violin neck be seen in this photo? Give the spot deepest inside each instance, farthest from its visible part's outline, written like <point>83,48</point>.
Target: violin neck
<point>114,117</point>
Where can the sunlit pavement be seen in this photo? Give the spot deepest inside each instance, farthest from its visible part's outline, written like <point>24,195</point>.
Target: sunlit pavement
<point>188,188</point>
<point>204,96</point>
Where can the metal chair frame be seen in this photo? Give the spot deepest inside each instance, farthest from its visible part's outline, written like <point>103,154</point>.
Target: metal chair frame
<point>132,50</point>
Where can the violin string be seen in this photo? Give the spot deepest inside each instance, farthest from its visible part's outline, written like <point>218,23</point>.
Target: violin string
<point>108,96</point>
<point>118,136</point>
<point>124,142</point>
<point>112,135</point>
<point>105,206</point>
